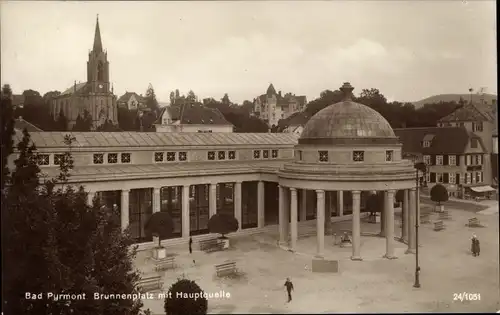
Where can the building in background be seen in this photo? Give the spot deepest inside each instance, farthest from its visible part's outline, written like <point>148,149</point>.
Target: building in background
<point>272,106</point>
<point>192,118</point>
<point>296,123</point>
<point>95,95</point>
<point>455,157</point>
<point>20,124</point>
<point>131,101</point>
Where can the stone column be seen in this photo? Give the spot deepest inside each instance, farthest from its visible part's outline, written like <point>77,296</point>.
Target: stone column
<point>320,221</point>
<point>417,196</point>
<point>282,217</point>
<point>212,200</point>
<point>90,198</point>
<point>237,203</point>
<point>404,232</point>
<point>303,205</point>
<point>356,225</point>
<point>340,201</point>
<point>286,204</point>
<point>260,204</point>
<point>125,209</point>
<point>156,200</point>
<point>293,218</point>
<point>411,222</point>
<point>328,213</point>
<point>383,216</point>
<point>185,212</point>
<point>389,225</point>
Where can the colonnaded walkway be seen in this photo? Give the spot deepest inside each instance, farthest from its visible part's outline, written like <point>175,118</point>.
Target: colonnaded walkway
<point>372,285</point>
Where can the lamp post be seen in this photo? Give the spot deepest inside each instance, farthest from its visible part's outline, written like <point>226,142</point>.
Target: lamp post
<point>422,167</point>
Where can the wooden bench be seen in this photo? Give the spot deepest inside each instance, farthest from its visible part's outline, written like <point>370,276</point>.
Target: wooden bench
<point>439,225</point>
<point>151,283</point>
<point>445,215</point>
<point>211,245</point>
<point>226,269</point>
<point>164,264</point>
<point>474,222</point>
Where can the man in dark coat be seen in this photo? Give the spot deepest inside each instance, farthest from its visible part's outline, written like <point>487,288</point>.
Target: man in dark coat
<point>289,288</point>
<point>190,245</point>
<point>475,248</point>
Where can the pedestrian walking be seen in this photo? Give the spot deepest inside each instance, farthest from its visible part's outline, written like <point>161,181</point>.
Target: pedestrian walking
<point>190,245</point>
<point>478,248</point>
<point>289,289</point>
<point>475,248</point>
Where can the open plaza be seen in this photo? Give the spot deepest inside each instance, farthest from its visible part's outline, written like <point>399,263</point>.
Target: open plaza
<point>375,284</point>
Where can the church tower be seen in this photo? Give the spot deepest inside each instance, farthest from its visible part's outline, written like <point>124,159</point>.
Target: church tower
<point>98,66</point>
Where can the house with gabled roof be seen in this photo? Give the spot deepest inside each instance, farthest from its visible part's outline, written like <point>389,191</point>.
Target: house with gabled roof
<point>131,101</point>
<point>193,117</point>
<point>273,106</point>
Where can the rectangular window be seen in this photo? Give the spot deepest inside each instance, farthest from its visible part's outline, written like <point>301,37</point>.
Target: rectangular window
<point>58,159</point>
<point>265,154</point>
<point>480,177</point>
<point>467,160</point>
<point>426,144</point>
<point>439,177</point>
<point>473,143</point>
<point>98,158</point>
<point>274,154</point>
<point>389,155</point>
<point>221,155</point>
<point>439,160</point>
<point>232,155</point>
<point>451,178</point>
<point>182,156</point>
<point>427,159</point>
<point>43,159</point>
<point>211,155</point>
<point>323,156</point>
<point>256,154</point>
<point>480,159</point>
<point>477,159</point>
<point>358,156</point>
<point>112,158</point>
<point>299,155</point>
<point>158,156</point>
<point>125,157</point>
<point>467,178</point>
<point>427,177</point>
<point>452,160</point>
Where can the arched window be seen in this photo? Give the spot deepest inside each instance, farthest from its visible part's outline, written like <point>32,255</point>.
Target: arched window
<point>100,71</point>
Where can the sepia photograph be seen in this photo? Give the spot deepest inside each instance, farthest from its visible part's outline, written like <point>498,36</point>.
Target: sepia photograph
<point>249,157</point>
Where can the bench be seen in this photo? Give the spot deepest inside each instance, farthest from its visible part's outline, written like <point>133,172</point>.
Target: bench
<point>425,218</point>
<point>151,283</point>
<point>439,225</point>
<point>211,245</point>
<point>474,222</point>
<point>164,263</point>
<point>342,240</point>
<point>226,269</point>
<point>445,215</point>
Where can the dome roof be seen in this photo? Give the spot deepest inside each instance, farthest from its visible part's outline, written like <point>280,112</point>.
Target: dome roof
<point>347,120</point>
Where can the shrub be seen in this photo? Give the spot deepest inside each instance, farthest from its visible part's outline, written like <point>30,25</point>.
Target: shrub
<point>186,303</point>
<point>439,193</point>
<point>161,225</point>
<point>222,223</point>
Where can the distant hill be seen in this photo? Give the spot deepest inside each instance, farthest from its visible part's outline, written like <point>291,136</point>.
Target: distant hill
<point>454,97</point>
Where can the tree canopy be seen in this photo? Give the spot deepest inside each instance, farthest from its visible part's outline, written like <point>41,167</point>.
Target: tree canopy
<point>222,223</point>
<point>178,304</point>
<point>439,193</point>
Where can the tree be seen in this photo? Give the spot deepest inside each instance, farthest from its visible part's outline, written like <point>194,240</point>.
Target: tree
<point>108,126</point>
<point>223,223</point>
<point>400,196</point>
<point>439,194</point>
<point>83,123</point>
<point>53,241</point>
<point>126,119</point>
<point>185,297</point>
<point>61,122</point>
<point>160,225</point>
<point>191,97</point>
<point>7,131</point>
<point>150,99</point>
<point>225,100</point>
<point>172,98</point>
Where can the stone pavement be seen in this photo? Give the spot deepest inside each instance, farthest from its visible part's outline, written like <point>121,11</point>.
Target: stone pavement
<point>372,285</point>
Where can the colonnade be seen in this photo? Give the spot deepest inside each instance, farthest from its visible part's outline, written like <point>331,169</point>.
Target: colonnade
<point>125,204</point>
<point>288,225</point>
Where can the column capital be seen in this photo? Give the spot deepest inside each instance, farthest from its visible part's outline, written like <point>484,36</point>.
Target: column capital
<point>413,189</point>
<point>356,192</point>
<point>320,191</point>
<point>391,191</point>
<point>238,182</point>
<point>293,190</point>
<point>213,185</point>
<point>125,191</point>
<point>156,190</point>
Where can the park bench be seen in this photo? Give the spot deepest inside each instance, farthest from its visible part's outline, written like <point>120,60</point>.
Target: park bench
<point>211,245</point>
<point>226,269</point>
<point>439,225</point>
<point>164,263</point>
<point>344,240</point>
<point>151,283</point>
<point>445,215</point>
<point>474,222</point>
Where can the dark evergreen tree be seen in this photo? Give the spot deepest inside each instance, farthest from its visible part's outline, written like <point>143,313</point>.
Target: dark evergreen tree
<point>180,302</point>
<point>7,131</point>
<point>62,122</point>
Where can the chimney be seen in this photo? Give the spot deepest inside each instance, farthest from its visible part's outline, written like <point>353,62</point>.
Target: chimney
<point>279,93</point>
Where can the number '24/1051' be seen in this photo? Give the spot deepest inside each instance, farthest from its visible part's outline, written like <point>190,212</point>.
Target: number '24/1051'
<point>464,296</point>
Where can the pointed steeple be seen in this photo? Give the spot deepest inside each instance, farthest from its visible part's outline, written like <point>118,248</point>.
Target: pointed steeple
<point>271,90</point>
<point>97,37</point>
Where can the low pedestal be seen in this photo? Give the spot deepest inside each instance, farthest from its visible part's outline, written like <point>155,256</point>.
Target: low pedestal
<point>224,242</point>
<point>159,253</point>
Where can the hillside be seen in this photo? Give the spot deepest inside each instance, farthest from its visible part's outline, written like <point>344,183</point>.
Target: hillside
<point>454,97</point>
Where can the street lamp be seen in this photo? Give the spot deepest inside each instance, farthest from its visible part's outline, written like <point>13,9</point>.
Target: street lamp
<point>418,167</point>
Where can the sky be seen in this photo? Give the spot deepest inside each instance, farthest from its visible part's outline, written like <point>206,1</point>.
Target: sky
<point>409,50</point>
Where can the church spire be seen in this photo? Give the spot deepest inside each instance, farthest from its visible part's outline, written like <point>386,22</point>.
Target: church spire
<point>97,37</point>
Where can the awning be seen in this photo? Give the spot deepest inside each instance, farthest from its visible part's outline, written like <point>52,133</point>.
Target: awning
<point>482,188</point>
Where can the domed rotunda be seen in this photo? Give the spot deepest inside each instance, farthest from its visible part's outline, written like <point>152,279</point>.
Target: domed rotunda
<point>345,152</point>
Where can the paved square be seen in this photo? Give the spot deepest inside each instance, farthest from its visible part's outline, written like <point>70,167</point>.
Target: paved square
<point>372,285</point>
